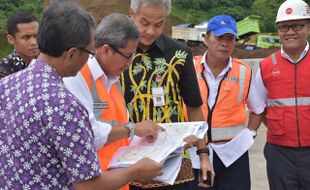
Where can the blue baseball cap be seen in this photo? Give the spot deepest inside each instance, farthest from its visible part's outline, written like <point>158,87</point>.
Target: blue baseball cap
<point>222,24</point>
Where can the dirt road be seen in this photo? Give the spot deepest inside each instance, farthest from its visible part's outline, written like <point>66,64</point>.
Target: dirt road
<point>258,162</point>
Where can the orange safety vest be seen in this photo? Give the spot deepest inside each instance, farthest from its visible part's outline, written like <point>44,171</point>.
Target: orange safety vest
<point>108,107</point>
<point>228,115</point>
<point>288,100</point>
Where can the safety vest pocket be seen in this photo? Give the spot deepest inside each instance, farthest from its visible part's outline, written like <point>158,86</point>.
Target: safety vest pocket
<point>275,122</point>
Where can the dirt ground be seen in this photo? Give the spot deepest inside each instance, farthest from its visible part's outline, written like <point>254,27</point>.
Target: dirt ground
<point>257,53</point>
<point>240,53</point>
<point>101,8</point>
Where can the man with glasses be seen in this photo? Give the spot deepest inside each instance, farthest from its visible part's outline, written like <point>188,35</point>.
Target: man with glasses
<point>283,86</point>
<point>97,87</point>
<point>158,82</point>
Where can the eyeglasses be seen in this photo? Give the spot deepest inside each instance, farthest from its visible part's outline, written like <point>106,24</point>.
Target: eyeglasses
<point>294,27</point>
<point>91,53</point>
<point>122,54</point>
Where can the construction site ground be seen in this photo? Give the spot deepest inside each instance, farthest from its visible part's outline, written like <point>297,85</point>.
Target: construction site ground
<point>240,53</point>
<point>258,162</point>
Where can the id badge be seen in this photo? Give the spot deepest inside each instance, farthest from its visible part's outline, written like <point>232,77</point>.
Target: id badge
<point>158,96</point>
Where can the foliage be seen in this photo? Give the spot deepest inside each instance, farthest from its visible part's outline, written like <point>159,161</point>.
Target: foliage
<point>8,8</point>
<point>196,11</point>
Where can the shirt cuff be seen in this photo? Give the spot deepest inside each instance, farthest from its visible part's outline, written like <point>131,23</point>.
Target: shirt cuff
<point>258,109</point>
<point>101,133</point>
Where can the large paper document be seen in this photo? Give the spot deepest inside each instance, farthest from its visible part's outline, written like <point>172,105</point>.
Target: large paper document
<point>230,151</point>
<point>167,149</point>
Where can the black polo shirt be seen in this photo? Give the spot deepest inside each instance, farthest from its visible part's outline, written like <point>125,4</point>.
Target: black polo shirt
<point>11,64</point>
<point>166,64</point>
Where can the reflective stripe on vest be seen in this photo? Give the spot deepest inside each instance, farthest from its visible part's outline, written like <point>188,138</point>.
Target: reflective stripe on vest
<point>242,82</point>
<point>273,58</point>
<point>227,132</point>
<point>288,100</point>
<point>304,101</point>
<point>227,127</point>
<point>108,107</point>
<point>119,87</point>
<point>98,103</point>
<point>96,100</point>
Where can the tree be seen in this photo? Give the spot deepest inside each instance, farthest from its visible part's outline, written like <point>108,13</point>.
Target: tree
<point>268,11</point>
<point>8,8</point>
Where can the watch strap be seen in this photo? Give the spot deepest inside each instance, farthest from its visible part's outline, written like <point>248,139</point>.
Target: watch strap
<point>131,127</point>
<point>203,150</point>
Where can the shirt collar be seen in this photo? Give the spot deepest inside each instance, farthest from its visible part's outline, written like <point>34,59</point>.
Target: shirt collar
<point>160,43</point>
<point>46,68</point>
<point>302,55</point>
<point>16,55</point>
<point>95,68</point>
<point>205,65</point>
<point>97,71</point>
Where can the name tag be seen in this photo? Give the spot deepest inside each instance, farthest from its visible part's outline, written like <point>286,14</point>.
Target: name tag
<point>101,105</point>
<point>158,96</point>
<point>232,79</point>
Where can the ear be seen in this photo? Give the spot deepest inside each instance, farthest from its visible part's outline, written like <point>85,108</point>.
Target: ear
<point>131,13</point>
<point>103,50</point>
<point>11,39</point>
<point>308,24</point>
<point>71,52</point>
<point>206,38</point>
<point>68,56</point>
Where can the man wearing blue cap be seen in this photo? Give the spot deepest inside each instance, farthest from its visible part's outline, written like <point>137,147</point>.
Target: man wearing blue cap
<point>227,87</point>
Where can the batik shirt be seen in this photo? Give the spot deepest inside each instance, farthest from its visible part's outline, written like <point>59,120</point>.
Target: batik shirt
<point>168,65</point>
<point>11,64</point>
<point>46,141</point>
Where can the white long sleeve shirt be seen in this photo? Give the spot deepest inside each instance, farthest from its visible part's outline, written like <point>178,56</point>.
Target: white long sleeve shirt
<point>78,86</point>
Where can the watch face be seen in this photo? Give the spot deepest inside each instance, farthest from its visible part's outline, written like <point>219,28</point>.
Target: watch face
<point>130,125</point>
<point>131,128</point>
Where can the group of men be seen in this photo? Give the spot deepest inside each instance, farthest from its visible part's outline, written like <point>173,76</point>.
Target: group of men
<point>70,86</point>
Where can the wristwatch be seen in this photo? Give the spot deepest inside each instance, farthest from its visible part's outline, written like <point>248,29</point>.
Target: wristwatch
<point>131,126</point>
<point>202,150</point>
<point>254,133</point>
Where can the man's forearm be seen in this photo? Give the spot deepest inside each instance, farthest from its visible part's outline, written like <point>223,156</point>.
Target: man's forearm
<point>117,132</point>
<point>194,113</point>
<point>255,120</point>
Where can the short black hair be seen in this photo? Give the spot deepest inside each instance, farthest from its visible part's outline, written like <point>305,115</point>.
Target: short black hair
<point>64,25</point>
<point>18,18</point>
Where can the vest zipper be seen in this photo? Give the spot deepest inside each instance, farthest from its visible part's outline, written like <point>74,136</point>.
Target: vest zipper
<point>296,106</point>
<point>210,111</point>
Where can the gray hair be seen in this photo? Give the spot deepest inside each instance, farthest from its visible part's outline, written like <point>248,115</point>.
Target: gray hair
<point>116,29</point>
<point>135,4</point>
<point>64,25</point>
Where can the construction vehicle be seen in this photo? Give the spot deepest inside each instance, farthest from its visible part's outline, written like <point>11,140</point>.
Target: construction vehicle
<point>249,35</point>
<point>188,33</point>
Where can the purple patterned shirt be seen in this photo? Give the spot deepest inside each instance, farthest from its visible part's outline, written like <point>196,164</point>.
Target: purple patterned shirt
<point>46,141</point>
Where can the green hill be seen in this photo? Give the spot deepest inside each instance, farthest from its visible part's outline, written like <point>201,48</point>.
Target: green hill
<point>183,11</point>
